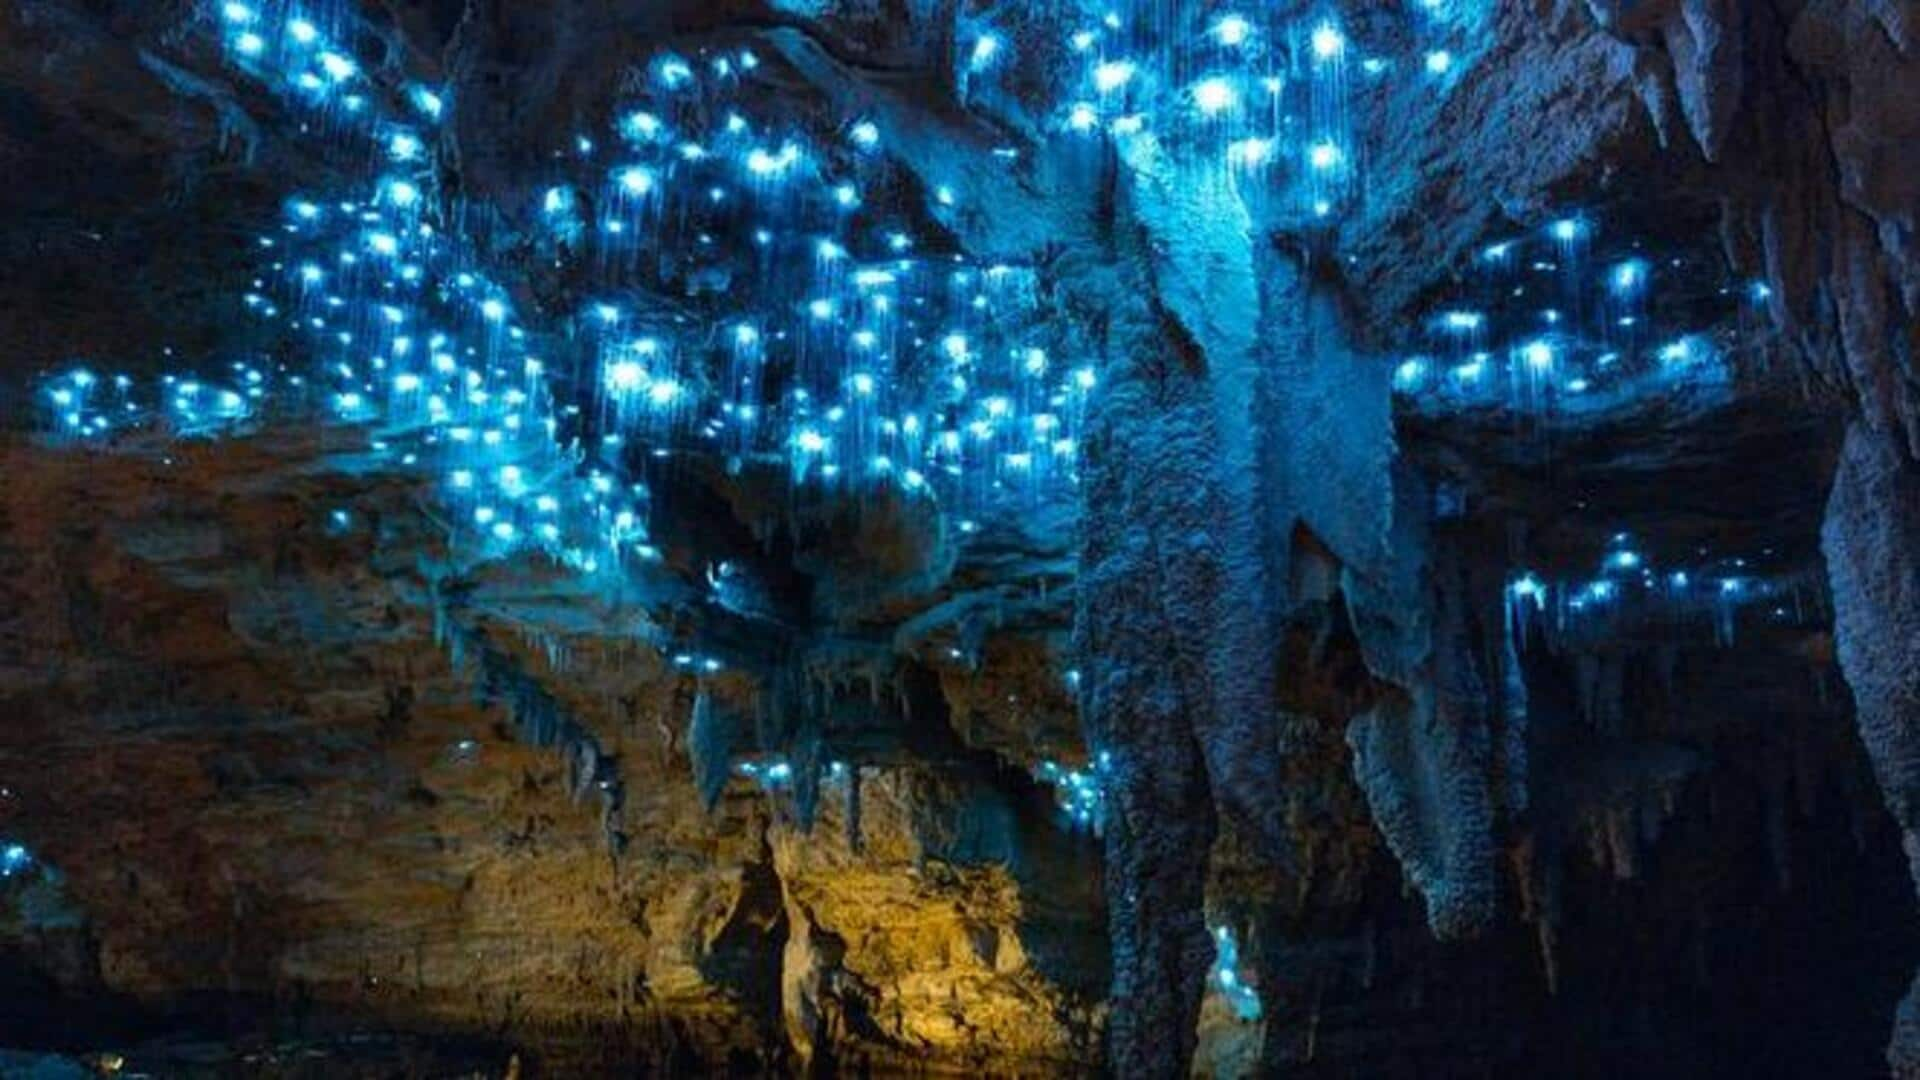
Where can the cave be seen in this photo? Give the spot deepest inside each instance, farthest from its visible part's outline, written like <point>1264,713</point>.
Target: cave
<point>1163,538</point>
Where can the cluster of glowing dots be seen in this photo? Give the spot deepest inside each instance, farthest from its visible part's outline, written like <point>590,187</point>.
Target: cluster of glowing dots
<point>423,351</point>
<point>1625,574</point>
<point>1568,330</point>
<point>1255,91</point>
<point>84,404</point>
<point>775,774</point>
<point>410,342</point>
<point>1226,978</point>
<point>900,368</point>
<point>879,367</point>
<point>858,435</point>
<point>1079,793</point>
<point>294,51</point>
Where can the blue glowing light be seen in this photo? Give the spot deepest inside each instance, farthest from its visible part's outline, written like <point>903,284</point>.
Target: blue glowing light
<point>642,125</point>
<point>985,48</point>
<point>626,377</point>
<point>762,163</point>
<point>14,858</point>
<point>1226,975</point>
<point>1250,152</point>
<point>1628,278</point>
<point>1328,42</point>
<point>636,180</point>
<point>662,393</point>
<point>337,67</point>
<point>1112,75</point>
<point>672,72</point>
<point>1214,94</point>
<point>1232,30</point>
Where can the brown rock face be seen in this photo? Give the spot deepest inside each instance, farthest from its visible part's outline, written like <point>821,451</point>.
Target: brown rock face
<point>259,780</point>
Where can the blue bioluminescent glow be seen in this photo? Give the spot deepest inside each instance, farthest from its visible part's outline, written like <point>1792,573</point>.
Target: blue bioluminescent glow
<point>849,349</point>
<point>1112,75</point>
<point>986,48</point>
<point>1328,42</point>
<point>1227,978</point>
<point>14,859</point>
<point>1629,278</point>
<point>1078,792</point>
<point>1232,30</point>
<point>337,67</point>
<point>1214,95</point>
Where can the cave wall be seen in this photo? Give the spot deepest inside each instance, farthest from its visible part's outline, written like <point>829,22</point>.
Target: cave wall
<point>268,791</point>
<point>239,716</point>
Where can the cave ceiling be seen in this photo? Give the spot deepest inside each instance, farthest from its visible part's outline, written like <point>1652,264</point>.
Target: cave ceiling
<point>1033,397</point>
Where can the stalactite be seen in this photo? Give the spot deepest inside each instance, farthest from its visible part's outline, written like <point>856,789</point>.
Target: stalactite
<point>1148,575</point>
<point>1423,757</point>
<point>1204,278</point>
<point>539,719</point>
<point>1872,544</point>
<point>1514,730</point>
<point>709,750</point>
<point>804,758</point>
<point>856,840</point>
